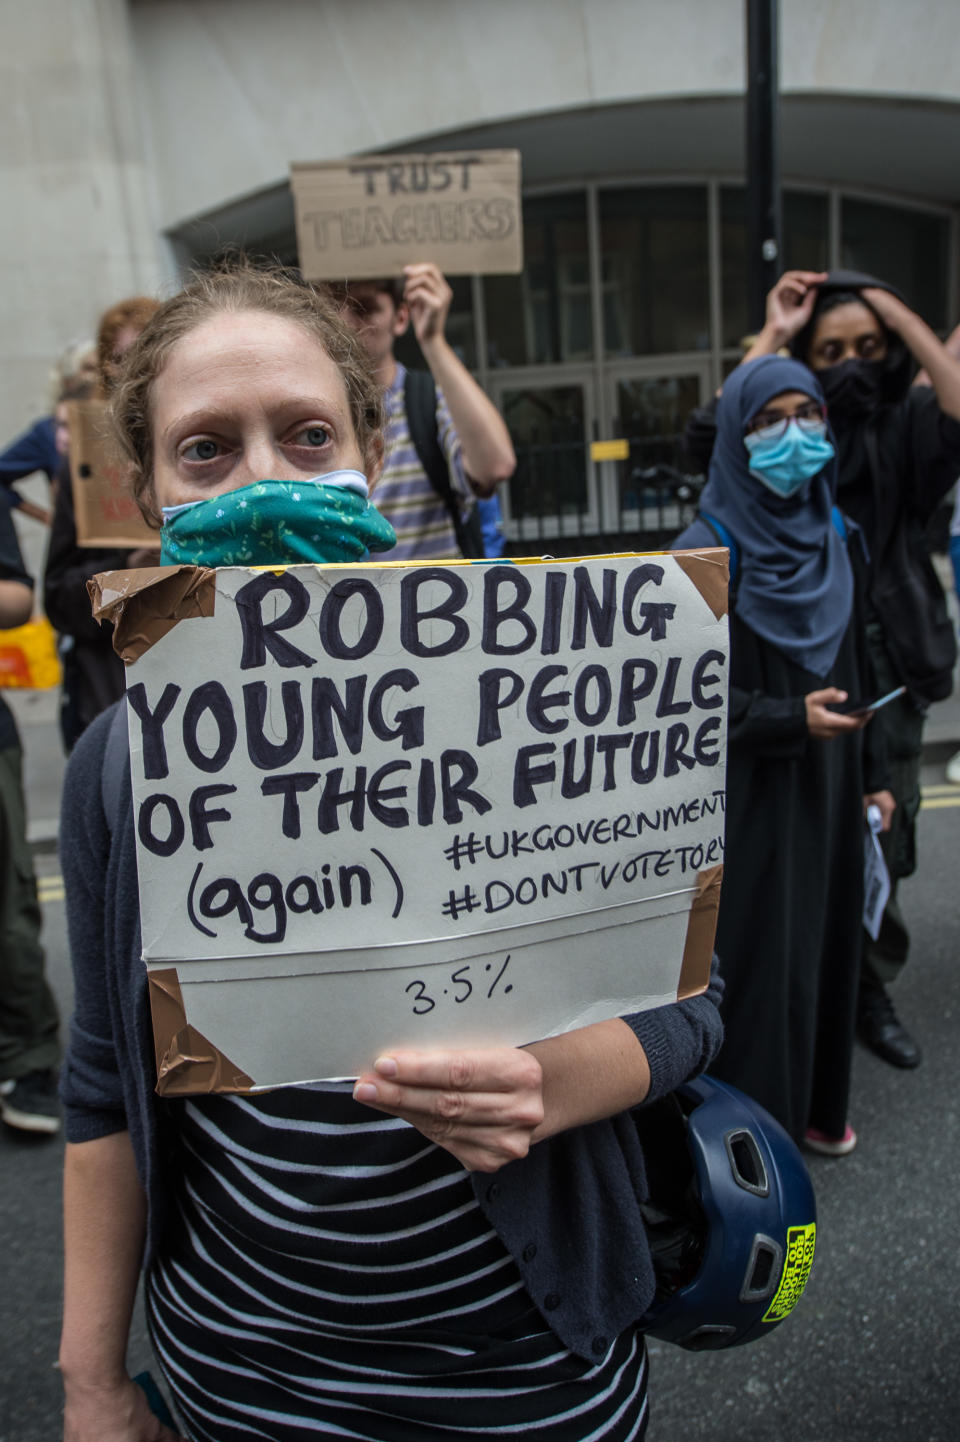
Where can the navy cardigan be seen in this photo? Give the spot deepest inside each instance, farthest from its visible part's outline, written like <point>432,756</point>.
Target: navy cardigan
<point>567,1212</point>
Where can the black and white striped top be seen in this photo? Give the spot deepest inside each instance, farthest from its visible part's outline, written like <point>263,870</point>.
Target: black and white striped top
<point>330,1273</point>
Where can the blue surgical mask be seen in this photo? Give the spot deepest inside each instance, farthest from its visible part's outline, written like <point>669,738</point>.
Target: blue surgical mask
<point>784,463</point>
<point>325,518</point>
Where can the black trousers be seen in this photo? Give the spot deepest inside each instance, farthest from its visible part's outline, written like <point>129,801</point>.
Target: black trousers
<point>28,1012</point>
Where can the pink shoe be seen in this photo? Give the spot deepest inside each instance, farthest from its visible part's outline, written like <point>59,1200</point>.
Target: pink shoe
<point>818,1141</point>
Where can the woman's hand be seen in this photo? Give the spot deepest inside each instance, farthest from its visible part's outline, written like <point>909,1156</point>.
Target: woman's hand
<point>886,804</point>
<point>824,724</point>
<point>941,367</point>
<point>789,306</point>
<point>893,312</point>
<point>118,1413</point>
<point>483,1105</point>
<point>790,303</point>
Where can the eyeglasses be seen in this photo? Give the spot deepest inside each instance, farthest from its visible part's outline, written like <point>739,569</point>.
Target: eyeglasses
<point>771,425</point>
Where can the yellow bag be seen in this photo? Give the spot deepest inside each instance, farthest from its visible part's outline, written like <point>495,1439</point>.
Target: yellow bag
<point>28,655</point>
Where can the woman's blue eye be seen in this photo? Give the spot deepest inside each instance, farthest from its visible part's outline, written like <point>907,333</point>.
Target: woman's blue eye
<point>315,436</point>
<point>202,451</point>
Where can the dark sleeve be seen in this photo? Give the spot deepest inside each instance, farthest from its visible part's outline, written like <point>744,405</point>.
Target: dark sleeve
<point>697,535</point>
<point>90,1084</point>
<point>876,764</point>
<point>699,436</point>
<point>33,451</point>
<point>681,1039</point>
<point>774,726</point>
<point>932,439</point>
<point>69,568</point>
<point>11,559</point>
<point>876,761</point>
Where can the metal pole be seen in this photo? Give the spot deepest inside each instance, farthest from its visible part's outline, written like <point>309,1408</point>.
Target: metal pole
<point>764,227</point>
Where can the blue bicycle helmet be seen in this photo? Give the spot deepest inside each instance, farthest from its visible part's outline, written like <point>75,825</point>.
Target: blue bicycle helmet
<point>731,1218</point>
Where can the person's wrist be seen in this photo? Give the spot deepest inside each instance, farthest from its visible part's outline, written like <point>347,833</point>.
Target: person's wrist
<point>81,1379</point>
<point>774,336</point>
<point>911,328</point>
<point>434,345</point>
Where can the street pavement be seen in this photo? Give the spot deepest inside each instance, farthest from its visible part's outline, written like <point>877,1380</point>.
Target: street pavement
<point>872,1349</point>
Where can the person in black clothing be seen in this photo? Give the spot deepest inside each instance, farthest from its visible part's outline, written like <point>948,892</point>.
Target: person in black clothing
<point>788,934</point>
<point>92,672</point>
<point>29,1048</point>
<point>899,454</point>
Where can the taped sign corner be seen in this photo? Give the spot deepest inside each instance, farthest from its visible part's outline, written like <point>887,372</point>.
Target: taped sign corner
<point>701,932</point>
<point>187,1063</point>
<point>145,604</point>
<point>709,570</point>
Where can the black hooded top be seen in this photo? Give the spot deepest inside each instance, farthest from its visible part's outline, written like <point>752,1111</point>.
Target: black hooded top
<point>899,454</point>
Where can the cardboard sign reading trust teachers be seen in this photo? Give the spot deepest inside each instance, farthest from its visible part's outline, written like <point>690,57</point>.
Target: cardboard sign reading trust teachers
<point>435,805</point>
<point>369,217</point>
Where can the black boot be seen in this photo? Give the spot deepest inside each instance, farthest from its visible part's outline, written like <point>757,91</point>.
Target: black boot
<point>879,1026</point>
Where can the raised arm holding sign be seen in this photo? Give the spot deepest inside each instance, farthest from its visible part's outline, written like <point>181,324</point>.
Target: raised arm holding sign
<point>359,224</point>
<point>445,440</point>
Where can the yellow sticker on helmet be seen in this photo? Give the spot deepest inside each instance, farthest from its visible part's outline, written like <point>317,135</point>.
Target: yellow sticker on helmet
<point>796,1269</point>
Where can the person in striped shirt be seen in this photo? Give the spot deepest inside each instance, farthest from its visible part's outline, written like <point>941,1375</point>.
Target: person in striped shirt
<point>473,437</point>
<point>450,1247</point>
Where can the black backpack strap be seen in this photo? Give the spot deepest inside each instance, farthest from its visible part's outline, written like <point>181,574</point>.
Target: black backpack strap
<point>116,764</point>
<point>420,401</point>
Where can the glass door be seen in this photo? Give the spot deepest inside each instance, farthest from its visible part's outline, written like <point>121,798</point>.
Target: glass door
<point>649,403</point>
<point>550,417</point>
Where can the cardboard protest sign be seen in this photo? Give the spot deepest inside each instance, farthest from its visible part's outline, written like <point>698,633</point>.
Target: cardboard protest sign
<point>369,217</point>
<point>105,510</point>
<point>421,805</point>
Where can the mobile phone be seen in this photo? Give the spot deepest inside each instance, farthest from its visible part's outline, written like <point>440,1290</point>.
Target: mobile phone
<point>865,708</point>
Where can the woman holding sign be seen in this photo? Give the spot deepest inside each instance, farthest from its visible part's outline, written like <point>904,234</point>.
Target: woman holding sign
<point>789,927</point>
<point>451,1245</point>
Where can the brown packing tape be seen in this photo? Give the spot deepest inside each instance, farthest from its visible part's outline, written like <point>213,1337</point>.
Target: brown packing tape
<point>701,931</point>
<point>710,573</point>
<point>144,605</point>
<point>187,1063</point>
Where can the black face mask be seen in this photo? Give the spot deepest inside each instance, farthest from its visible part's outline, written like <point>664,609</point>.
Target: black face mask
<point>853,390</point>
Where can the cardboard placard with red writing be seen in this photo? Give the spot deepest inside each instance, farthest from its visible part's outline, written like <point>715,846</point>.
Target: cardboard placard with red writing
<point>104,507</point>
<point>368,217</point>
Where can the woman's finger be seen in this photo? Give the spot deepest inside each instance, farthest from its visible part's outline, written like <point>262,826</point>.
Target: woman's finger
<point>449,1108</point>
<point>490,1069</point>
<point>803,277</point>
<point>827,696</point>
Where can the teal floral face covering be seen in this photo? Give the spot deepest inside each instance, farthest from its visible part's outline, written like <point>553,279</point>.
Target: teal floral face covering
<point>323,519</point>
